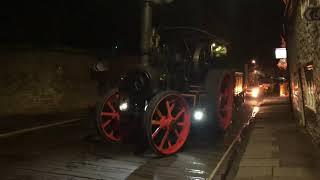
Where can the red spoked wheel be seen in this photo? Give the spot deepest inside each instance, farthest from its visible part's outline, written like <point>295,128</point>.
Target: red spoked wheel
<point>167,122</point>
<point>225,102</point>
<point>108,117</point>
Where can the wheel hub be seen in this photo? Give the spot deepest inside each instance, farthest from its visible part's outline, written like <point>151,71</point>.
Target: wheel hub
<point>167,123</point>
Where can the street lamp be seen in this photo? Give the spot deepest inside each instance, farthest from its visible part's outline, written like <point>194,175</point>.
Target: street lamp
<point>213,45</point>
<point>253,61</point>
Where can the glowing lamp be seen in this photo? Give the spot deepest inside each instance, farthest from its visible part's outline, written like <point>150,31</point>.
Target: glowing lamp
<point>281,53</point>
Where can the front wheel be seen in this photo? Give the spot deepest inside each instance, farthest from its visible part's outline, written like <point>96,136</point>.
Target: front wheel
<point>167,122</point>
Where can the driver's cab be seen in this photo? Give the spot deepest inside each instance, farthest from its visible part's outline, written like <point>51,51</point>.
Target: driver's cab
<point>186,54</point>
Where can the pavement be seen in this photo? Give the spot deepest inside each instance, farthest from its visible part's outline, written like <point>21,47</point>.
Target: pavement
<point>277,149</point>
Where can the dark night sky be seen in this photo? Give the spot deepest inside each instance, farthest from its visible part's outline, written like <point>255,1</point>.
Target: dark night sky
<point>252,26</point>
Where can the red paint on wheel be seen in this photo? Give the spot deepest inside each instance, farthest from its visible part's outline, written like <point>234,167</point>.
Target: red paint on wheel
<point>225,102</point>
<point>170,124</point>
<point>110,118</point>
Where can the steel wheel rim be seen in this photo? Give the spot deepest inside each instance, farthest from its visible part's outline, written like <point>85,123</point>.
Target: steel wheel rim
<point>170,124</point>
<point>225,101</point>
<point>110,118</point>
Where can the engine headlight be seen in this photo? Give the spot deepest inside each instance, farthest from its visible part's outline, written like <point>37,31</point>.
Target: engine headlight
<point>124,106</point>
<point>198,114</point>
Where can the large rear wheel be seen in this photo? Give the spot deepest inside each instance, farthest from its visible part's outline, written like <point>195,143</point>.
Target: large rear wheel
<point>108,117</point>
<point>220,87</point>
<point>167,122</point>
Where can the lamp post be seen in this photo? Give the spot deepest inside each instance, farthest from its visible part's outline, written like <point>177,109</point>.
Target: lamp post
<point>253,73</point>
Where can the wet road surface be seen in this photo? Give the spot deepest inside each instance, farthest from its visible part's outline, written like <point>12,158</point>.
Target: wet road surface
<point>66,152</point>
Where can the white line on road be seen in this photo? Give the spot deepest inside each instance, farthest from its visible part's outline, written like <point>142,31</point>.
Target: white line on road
<point>236,139</point>
<point>215,170</point>
<point>22,131</point>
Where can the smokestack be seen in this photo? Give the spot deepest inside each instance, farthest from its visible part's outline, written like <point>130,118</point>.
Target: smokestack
<point>146,32</point>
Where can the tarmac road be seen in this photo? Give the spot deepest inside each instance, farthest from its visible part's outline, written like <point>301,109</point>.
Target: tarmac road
<point>66,152</point>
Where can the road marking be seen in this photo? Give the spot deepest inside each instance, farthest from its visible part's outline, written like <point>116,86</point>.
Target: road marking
<point>215,170</point>
<point>22,131</point>
<point>224,156</point>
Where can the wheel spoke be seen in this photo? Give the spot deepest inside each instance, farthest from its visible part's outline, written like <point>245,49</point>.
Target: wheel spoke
<point>105,124</point>
<point>180,123</point>
<point>109,114</point>
<point>111,107</point>
<point>164,139</point>
<point>169,108</point>
<point>159,113</point>
<point>178,135</point>
<point>118,117</point>
<point>156,132</point>
<point>179,114</point>
<point>155,122</point>
<point>169,143</point>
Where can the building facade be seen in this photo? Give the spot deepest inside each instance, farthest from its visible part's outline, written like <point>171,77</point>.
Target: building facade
<point>303,44</point>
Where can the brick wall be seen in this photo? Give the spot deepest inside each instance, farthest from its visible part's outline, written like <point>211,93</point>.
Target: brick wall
<point>304,47</point>
<point>45,81</point>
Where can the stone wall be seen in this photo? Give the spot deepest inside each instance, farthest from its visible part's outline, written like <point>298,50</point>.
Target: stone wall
<point>45,81</point>
<point>303,48</point>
